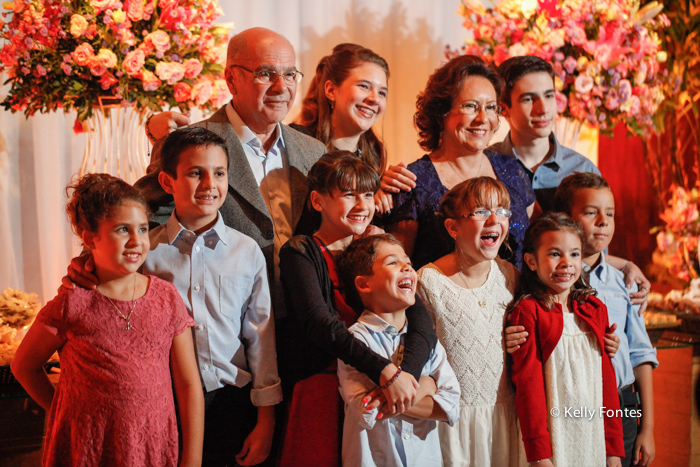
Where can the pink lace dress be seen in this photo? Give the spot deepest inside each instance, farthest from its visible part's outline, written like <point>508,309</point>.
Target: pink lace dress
<point>114,402</point>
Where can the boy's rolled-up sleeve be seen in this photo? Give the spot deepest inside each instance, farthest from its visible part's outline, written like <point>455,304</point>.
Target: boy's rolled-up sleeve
<point>448,392</point>
<point>258,335</point>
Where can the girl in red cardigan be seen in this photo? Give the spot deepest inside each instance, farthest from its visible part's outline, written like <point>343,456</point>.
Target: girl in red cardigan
<point>566,394</point>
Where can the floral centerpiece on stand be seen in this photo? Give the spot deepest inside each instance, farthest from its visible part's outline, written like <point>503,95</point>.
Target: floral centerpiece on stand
<point>606,53</point>
<point>150,53</point>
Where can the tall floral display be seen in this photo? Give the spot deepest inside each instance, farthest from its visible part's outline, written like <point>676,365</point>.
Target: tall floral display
<point>101,54</point>
<point>606,53</point>
<point>673,154</point>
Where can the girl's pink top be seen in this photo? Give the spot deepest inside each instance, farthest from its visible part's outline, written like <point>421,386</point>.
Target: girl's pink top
<point>114,402</point>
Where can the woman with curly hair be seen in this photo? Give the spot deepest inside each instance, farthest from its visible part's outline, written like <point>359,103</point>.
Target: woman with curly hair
<point>456,117</point>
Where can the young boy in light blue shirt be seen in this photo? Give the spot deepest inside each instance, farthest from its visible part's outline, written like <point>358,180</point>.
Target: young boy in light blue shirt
<point>587,198</point>
<point>377,269</point>
<point>222,278</point>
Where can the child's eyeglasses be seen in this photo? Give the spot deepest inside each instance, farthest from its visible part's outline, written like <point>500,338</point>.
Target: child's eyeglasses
<point>483,214</point>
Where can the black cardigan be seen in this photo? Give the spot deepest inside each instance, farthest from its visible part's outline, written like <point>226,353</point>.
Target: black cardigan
<point>315,336</point>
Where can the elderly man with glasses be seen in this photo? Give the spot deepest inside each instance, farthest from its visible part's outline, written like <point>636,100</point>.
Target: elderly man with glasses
<point>268,160</point>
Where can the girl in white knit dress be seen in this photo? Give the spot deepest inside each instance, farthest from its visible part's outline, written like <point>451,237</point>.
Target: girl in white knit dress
<point>467,292</point>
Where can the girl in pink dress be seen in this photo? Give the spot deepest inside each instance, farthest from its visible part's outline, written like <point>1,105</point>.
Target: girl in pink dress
<point>118,345</point>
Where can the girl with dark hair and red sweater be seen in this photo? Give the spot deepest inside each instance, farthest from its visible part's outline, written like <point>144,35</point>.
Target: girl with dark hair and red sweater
<point>566,392</point>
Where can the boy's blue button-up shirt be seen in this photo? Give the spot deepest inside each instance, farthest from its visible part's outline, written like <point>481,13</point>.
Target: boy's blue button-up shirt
<point>635,347</point>
<point>549,175</point>
<point>222,278</point>
<point>400,441</point>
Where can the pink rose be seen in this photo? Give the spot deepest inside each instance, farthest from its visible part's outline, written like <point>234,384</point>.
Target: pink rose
<point>193,68</point>
<point>150,81</point>
<point>220,93</point>
<point>159,39</point>
<point>583,84</point>
<point>78,25</point>
<point>66,68</point>
<point>202,91</point>
<point>125,36</point>
<point>91,31</point>
<point>7,55</point>
<point>172,72</point>
<point>182,91</point>
<point>106,58</point>
<point>635,105</point>
<point>97,69</point>
<point>516,50</point>
<point>562,101</point>
<point>101,5</point>
<point>83,54</point>
<point>133,62</point>
<point>134,9</point>
<point>570,65</point>
<point>108,80</point>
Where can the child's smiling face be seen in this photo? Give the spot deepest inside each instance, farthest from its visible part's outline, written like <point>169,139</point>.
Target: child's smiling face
<point>392,284</point>
<point>201,186</point>
<point>476,238</point>
<point>120,244</point>
<point>557,261</point>
<point>347,212</point>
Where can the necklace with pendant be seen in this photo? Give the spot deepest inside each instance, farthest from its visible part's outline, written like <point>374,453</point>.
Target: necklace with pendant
<point>460,176</point>
<point>126,318</point>
<point>479,301</point>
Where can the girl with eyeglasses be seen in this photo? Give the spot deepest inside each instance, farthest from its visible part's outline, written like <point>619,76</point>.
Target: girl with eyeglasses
<point>456,116</point>
<point>467,293</point>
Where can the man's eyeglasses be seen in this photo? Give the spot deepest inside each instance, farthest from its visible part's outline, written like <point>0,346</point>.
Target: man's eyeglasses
<point>474,108</point>
<point>270,75</point>
<point>483,214</point>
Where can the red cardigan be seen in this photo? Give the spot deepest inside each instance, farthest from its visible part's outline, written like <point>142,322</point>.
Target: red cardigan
<point>544,329</point>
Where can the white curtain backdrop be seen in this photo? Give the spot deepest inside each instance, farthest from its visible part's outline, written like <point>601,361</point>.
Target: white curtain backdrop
<point>39,156</point>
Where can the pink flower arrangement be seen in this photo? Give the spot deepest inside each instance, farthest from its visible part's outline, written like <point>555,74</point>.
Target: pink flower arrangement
<point>150,53</point>
<point>606,54</point>
<point>678,239</point>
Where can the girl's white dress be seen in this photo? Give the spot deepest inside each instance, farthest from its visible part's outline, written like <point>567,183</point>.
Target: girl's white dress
<point>574,385</point>
<point>469,324</point>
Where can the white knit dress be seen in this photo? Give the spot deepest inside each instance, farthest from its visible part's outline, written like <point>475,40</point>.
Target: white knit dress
<point>574,381</point>
<point>469,324</point>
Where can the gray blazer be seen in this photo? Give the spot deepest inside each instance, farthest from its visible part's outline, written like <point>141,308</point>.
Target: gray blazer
<point>244,208</point>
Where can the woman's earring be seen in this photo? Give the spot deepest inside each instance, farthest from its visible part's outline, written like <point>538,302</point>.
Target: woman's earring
<point>332,104</point>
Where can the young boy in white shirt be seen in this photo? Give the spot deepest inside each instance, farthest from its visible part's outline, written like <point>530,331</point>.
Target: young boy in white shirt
<point>377,271</point>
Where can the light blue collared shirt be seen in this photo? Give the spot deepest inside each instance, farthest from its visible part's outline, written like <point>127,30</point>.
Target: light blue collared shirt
<point>635,347</point>
<point>400,440</point>
<point>222,278</point>
<point>549,175</point>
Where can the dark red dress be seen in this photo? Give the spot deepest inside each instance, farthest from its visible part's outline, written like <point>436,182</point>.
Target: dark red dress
<point>314,433</point>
